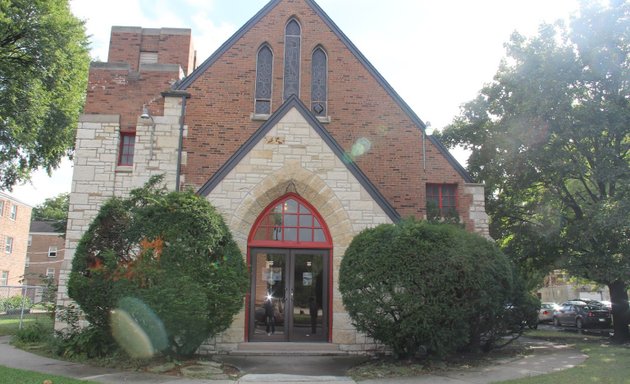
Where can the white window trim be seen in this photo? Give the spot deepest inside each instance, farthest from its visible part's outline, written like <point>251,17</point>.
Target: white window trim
<point>50,250</point>
<point>8,245</point>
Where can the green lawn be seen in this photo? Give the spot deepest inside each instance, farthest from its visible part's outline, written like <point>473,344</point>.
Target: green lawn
<point>18,376</point>
<point>9,324</point>
<point>606,363</point>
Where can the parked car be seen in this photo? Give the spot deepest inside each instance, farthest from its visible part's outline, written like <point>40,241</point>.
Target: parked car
<point>546,311</point>
<point>607,304</point>
<point>580,314</point>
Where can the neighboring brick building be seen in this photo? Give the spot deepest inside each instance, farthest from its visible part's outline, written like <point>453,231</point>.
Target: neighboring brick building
<point>15,219</point>
<point>45,254</point>
<point>291,133</point>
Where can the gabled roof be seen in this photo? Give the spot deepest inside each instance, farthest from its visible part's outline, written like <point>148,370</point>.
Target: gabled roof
<point>44,227</point>
<point>186,82</point>
<point>294,102</point>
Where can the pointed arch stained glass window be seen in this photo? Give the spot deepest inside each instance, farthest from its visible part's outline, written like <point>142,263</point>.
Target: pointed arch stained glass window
<point>292,40</point>
<point>319,82</point>
<point>264,73</point>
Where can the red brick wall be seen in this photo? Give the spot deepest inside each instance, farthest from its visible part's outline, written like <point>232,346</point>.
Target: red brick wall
<point>174,46</point>
<point>17,229</point>
<point>112,91</point>
<point>39,261</point>
<point>124,90</point>
<point>218,113</point>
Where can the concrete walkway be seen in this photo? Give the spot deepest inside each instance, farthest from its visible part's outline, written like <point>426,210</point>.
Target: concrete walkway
<point>545,358</point>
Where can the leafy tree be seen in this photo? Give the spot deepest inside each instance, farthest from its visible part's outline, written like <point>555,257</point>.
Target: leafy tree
<point>550,137</point>
<point>416,285</point>
<point>54,209</point>
<point>170,253</point>
<point>43,76</point>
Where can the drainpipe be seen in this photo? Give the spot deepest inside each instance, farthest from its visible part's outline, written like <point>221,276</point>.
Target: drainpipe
<point>427,131</point>
<point>184,96</point>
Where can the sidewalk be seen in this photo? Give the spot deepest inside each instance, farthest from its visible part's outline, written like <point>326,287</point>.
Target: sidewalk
<point>546,357</point>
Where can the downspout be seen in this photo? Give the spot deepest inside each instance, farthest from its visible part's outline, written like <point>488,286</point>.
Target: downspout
<point>180,144</point>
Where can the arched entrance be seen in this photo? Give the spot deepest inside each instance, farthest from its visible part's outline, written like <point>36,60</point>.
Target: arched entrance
<point>289,249</point>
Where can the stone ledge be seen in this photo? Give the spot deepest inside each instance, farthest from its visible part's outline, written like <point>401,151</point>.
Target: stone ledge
<point>93,118</point>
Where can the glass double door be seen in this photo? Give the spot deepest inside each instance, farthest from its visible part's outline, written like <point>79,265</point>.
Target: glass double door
<point>289,298</point>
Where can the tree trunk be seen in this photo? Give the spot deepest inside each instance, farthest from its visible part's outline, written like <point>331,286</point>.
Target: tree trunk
<point>620,310</point>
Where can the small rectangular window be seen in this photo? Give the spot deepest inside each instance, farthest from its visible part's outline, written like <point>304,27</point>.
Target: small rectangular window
<point>1,208</point>
<point>8,244</point>
<point>148,57</point>
<point>441,200</point>
<point>52,251</point>
<point>4,278</point>
<point>13,213</point>
<point>127,144</point>
<point>50,272</point>
<point>30,240</point>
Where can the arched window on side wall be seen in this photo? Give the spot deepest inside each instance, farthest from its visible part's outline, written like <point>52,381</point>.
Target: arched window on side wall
<point>319,82</point>
<point>292,40</point>
<point>264,74</point>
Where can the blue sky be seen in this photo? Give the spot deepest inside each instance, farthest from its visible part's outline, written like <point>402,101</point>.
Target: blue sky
<point>436,54</point>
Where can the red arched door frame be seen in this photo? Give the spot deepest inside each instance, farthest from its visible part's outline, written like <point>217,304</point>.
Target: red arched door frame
<point>289,225</point>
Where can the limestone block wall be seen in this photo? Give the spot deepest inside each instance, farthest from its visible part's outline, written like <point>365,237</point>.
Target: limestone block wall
<point>98,177</point>
<point>294,158</point>
<point>477,208</point>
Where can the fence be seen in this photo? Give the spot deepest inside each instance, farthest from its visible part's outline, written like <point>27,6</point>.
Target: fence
<point>22,302</point>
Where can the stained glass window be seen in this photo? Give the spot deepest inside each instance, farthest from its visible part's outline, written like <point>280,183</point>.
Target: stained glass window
<point>264,73</point>
<point>319,79</point>
<point>292,40</point>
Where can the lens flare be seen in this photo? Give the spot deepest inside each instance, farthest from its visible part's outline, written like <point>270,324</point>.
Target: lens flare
<point>360,147</point>
<point>137,329</point>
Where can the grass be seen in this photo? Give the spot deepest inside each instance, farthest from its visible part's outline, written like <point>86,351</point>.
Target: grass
<point>18,376</point>
<point>606,364</point>
<point>9,325</point>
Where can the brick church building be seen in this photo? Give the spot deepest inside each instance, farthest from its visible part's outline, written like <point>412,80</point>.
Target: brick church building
<point>290,133</point>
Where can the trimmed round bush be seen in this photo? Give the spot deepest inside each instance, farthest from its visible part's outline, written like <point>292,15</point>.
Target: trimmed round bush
<point>433,287</point>
<point>159,255</point>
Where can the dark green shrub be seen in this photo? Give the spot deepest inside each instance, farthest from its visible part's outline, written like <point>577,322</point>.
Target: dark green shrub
<point>15,303</point>
<point>34,332</point>
<point>74,340</point>
<point>417,285</point>
<point>173,253</point>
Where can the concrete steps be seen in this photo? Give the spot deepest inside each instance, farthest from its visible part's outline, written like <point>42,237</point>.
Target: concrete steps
<point>287,349</point>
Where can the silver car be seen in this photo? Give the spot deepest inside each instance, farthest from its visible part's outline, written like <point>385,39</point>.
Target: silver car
<point>545,314</point>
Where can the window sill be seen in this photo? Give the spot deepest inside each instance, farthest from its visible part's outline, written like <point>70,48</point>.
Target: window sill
<point>259,117</point>
<point>323,119</point>
<point>124,169</point>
